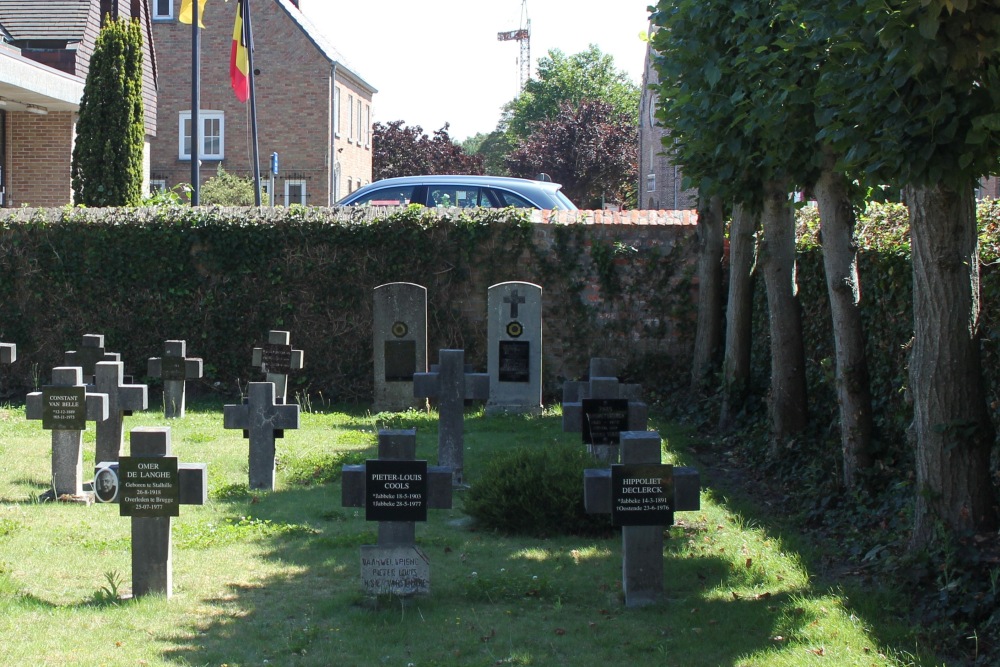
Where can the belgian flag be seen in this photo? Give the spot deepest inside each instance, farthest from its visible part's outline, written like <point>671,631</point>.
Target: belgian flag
<point>239,68</point>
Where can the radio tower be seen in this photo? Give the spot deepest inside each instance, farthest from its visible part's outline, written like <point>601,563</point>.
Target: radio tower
<point>522,35</point>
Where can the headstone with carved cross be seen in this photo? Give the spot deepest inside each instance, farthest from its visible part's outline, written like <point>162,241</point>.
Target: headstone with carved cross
<point>123,400</point>
<point>514,348</point>
<point>451,385</point>
<point>396,491</point>
<point>150,485</point>
<point>641,494</point>
<point>276,359</point>
<point>602,407</point>
<point>399,337</point>
<point>175,368</point>
<point>65,407</point>
<point>262,420</point>
<point>91,351</point>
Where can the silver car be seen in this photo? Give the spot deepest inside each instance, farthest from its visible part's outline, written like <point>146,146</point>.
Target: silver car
<point>461,191</point>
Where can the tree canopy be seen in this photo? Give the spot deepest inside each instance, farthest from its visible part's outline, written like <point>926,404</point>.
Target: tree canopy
<point>401,150</point>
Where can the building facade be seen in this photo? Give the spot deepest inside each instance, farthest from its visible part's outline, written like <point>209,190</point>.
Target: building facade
<point>313,109</point>
<point>45,51</point>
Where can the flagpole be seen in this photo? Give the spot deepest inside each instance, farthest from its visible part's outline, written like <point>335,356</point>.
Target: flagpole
<point>248,39</point>
<point>195,104</point>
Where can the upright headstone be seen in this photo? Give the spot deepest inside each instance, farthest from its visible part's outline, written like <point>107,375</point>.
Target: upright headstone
<point>451,386</point>
<point>91,351</point>
<point>262,420</point>
<point>65,407</point>
<point>175,368</point>
<point>276,359</point>
<point>514,357</point>
<point>399,336</point>
<point>396,491</point>
<point>641,495</point>
<point>150,485</point>
<point>602,407</point>
<point>8,353</point>
<point>123,400</point>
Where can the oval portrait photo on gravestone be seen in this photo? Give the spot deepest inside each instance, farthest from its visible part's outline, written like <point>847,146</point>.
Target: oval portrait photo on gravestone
<point>106,485</point>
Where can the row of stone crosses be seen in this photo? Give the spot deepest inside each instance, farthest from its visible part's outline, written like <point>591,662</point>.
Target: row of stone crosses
<point>395,489</point>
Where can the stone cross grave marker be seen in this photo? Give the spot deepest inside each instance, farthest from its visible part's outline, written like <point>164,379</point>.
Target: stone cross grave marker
<point>602,407</point>
<point>451,386</point>
<point>399,337</point>
<point>91,351</point>
<point>396,491</point>
<point>175,367</point>
<point>150,485</point>
<point>641,495</point>
<point>123,399</point>
<point>514,356</point>
<point>262,420</point>
<point>8,353</point>
<point>276,359</point>
<point>65,407</point>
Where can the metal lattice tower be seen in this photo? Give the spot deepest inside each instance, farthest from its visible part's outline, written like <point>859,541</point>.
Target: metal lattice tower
<point>522,35</point>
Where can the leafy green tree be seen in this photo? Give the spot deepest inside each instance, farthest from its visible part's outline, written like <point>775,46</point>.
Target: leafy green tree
<point>107,158</point>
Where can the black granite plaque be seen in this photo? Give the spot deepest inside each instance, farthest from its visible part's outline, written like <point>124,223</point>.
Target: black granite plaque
<point>173,368</point>
<point>400,360</point>
<point>149,486</point>
<point>64,408</point>
<point>276,358</point>
<point>604,419</point>
<point>514,361</point>
<point>395,490</point>
<point>642,495</point>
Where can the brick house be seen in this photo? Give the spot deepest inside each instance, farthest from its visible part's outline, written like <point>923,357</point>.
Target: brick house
<point>45,51</point>
<point>313,109</point>
<point>659,178</point>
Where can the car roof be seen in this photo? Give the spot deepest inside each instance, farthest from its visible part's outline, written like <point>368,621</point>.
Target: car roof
<point>464,179</point>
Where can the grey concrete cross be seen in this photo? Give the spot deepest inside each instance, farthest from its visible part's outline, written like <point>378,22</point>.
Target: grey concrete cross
<point>262,420</point>
<point>451,386</point>
<point>175,367</point>
<point>396,490</point>
<point>602,407</point>
<point>277,359</point>
<point>148,486</point>
<point>641,495</point>
<point>65,407</point>
<point>123,400</point>
<point>91,351</point>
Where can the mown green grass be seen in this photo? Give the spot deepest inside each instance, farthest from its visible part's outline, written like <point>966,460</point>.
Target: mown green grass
<point>274,577</point>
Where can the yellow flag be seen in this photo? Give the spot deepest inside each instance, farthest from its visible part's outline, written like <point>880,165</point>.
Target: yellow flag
<point>187,10</point>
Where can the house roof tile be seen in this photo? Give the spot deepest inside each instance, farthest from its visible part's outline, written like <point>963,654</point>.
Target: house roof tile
<point>44,19</point>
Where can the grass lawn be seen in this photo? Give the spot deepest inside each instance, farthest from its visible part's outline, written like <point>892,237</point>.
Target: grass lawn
<point>273,578</point>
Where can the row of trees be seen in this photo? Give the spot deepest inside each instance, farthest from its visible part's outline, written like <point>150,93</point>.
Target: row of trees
<point>838,98</point>
<point>575,121</point>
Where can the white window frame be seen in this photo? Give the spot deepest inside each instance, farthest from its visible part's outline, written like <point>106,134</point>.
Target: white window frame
<point>368,125</point>
<point>294,181</point>
<point>157,185</point>
<point>350,113</point>
<point>168,15</point>
<point>336,111</point>
<point>204,116</point>
<point>361,129</point>
<point>651,182</point>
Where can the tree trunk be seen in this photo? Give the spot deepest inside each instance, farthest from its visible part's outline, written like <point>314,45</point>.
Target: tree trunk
<point>787,398</point>
<point>708,339</point>
<point>840,260</point>
<point>953,430</point>
<point>739,314</point>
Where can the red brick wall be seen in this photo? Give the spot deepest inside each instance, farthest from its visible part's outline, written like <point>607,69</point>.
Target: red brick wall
<point>293,95</point>
<point>38,159</point>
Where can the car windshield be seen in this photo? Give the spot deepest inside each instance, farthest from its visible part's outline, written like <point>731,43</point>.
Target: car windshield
<point>399,195</point>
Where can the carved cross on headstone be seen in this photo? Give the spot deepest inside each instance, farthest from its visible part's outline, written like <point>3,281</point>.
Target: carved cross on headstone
<point>601,408</point>
<point>123,399</point>
<point>149,485</point>
<point>8,353</point>
<point>514,299</point>
<point>277,359</point>
<point>174,367</point>
<point>396,491</point>
<point>65,407</point>
<point>641,495</point>
<point>262,420</point>
<point>91,351</point>
<point>451,386</point>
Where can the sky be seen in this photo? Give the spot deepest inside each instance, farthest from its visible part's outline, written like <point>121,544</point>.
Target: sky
<point>439,61</point>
